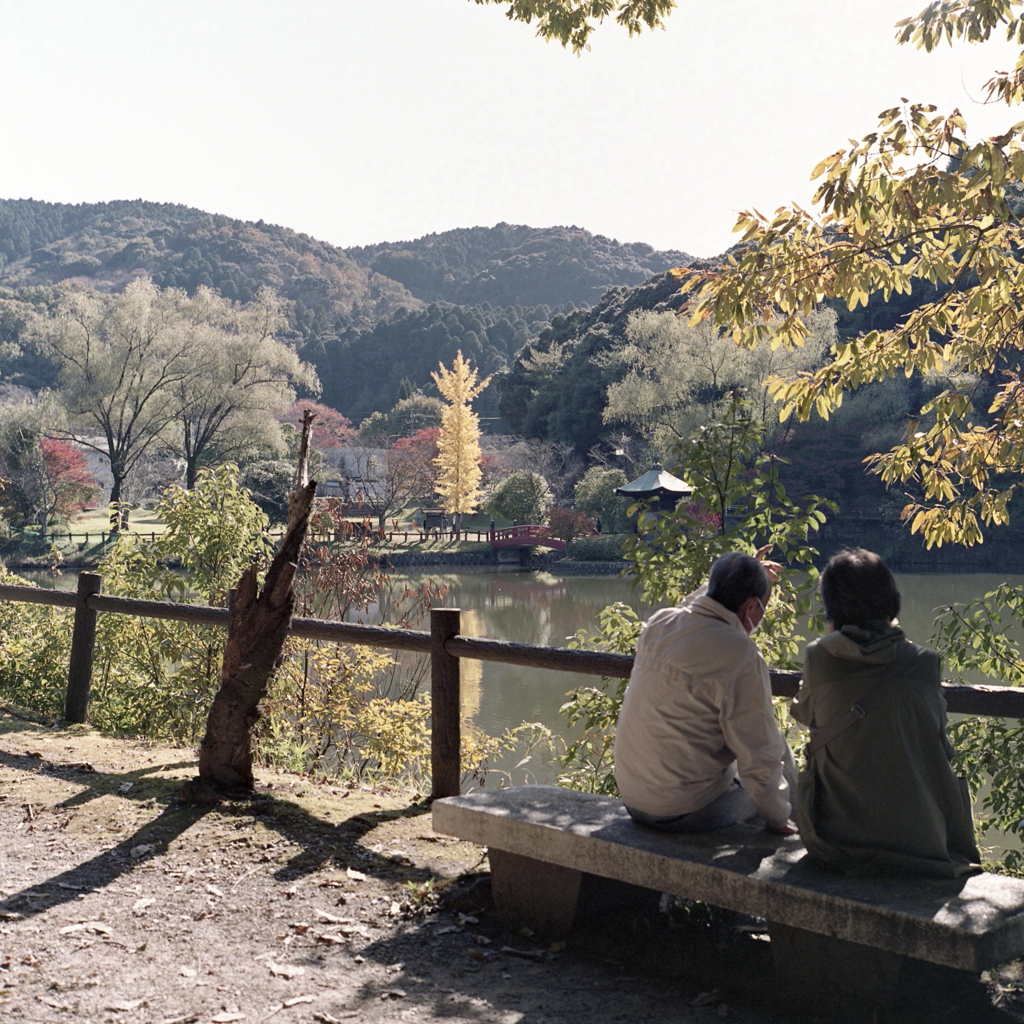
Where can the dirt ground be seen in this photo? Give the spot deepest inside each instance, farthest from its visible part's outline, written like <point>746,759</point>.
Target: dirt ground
<point>319,903</point>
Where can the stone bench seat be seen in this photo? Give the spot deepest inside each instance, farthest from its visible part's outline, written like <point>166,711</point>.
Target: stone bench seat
<point>827,931</point>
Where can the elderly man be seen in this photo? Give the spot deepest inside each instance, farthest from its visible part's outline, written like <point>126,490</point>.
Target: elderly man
<point>697,746</point>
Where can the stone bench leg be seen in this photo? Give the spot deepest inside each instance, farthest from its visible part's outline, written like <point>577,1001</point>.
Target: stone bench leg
<point>535,894</point>
<point>827,974</point>
<point>837,978</point>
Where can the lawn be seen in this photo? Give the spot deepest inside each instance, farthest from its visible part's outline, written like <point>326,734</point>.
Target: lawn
<point>141,520</point>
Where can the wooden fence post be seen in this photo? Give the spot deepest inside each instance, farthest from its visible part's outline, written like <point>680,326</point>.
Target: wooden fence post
<point>445,710</point>
<point>83,642</point>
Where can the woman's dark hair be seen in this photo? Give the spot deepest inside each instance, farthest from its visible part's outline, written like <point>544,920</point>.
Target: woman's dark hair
<point>734,578</point>
<point>857,588</point>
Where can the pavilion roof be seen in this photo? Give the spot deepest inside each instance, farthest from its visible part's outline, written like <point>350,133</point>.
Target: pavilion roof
<point>655,482</point>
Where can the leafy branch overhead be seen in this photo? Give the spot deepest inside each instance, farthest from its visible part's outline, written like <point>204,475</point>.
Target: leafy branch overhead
<point>914,204</point>
<point>570,22</point>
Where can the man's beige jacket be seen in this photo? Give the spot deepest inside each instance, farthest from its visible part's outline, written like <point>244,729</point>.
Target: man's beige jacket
<point>696,714</point>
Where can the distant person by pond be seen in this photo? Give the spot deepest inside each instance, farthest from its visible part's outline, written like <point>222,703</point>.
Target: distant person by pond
<point>878,793</point>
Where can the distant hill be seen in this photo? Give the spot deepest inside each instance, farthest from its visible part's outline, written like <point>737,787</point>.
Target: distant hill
<point>373,320</point>
<point>106,244</point>
<point>512,264</point>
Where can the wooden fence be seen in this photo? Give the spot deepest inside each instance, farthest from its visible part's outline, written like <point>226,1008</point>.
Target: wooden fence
<point>445,645</point>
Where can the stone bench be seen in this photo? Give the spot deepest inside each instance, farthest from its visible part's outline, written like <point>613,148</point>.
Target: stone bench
<point>835,937</point>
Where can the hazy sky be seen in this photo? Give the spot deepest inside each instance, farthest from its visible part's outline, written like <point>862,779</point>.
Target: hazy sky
<point>360,121</point>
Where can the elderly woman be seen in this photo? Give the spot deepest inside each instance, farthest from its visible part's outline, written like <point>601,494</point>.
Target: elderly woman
<point>878,793</point>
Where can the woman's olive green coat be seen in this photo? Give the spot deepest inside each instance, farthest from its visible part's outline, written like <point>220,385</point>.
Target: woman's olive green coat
<point>881,795</point>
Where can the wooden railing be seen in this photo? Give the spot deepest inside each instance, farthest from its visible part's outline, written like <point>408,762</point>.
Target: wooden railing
<point>104,537</point>
<point>445,645</point>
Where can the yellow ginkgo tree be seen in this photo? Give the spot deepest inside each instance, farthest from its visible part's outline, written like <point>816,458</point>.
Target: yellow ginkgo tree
<point>458,444</point>
<point>916,204</point>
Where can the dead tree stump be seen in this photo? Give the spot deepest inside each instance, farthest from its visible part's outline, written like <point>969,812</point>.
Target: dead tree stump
<point>257,629</point>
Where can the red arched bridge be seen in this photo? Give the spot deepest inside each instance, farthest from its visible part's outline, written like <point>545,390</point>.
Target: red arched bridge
<point>524,537</point>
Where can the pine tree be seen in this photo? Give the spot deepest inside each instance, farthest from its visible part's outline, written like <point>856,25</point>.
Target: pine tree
<point>458,446</point>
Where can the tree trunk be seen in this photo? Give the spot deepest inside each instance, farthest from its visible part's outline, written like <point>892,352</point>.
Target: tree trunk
<point>117,516</point>
<point>256,634</point>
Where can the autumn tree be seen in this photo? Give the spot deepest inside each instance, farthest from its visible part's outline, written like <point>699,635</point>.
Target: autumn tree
<point>45,480</point>
<point>330,428</point>
<point>567,524</point>
<point>458,445</point>
<point>418,456</point>
<point>913,206</point>
<point>388,479</point>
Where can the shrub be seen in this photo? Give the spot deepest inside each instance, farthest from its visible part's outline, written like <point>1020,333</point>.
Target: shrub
<point>522,497</point>
<point>595,495</point>
<point>607,547</point>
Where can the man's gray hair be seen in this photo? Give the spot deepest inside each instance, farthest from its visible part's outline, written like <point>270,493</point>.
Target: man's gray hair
<point>735,577</point>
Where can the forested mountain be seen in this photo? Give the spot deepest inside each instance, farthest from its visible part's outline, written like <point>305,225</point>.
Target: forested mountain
<point>363,367</point>
<point>359,315</point>
<point>557,389</point>
<point>106,244</point>
<point>512,264</point>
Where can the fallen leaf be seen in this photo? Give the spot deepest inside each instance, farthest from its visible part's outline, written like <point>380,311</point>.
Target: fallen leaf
<point>141,850</point>
<point>226,1018</point>
<point>354,929</point>
<point>466,919</point>
<point>86,926</point>
<point>285,970</point>
<point>125,787</point>
<point>139,905</point>
<point>300,927</point>
<point>396,909</point>
<point>188,972</point>
<point>705,998</point>
<point>556,947</point>
<point>356,876</point>
<point>53,1003</point>
<point>298,999</point>
<point>476,954</point>
<point>482,940</point>
<point>332,940</point>
<point>214,891</point>
<point>393,993</point>
<point>134,1004</point>
<point>530,954</point>
<point>333,918</point>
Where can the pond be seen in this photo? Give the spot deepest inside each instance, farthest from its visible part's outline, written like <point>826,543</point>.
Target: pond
<point>537,608</point>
